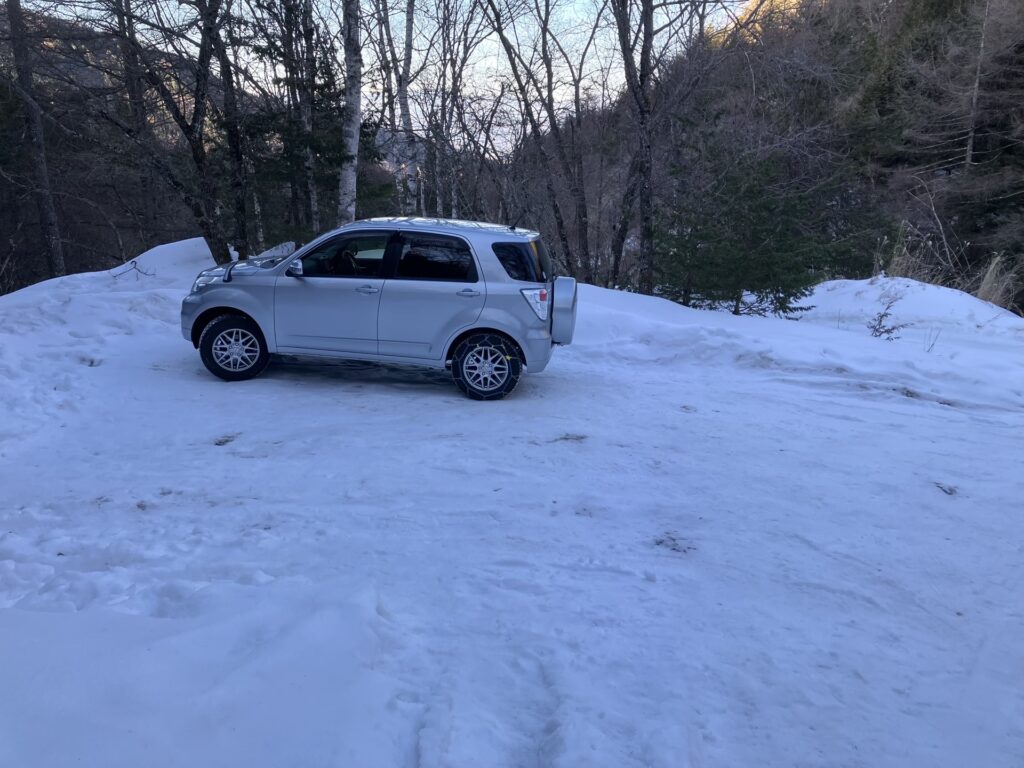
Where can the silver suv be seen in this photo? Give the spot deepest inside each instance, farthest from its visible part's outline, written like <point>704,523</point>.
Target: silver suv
<point>479,298</point>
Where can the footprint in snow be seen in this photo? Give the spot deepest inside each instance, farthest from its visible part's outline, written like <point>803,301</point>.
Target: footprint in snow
<point>225,439</point>
<point>672,542</point>
<point>569,437</point>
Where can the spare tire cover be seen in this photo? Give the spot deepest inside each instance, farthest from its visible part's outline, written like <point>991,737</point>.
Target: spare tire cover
<point>563,310</point>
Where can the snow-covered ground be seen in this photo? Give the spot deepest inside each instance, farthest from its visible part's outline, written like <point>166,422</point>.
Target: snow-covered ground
<point>695,540</point>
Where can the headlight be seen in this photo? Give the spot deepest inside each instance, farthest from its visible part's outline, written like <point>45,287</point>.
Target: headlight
<point>203,280</point>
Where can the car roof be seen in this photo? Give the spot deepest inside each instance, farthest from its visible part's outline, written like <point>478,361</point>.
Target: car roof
<point>449,226</point>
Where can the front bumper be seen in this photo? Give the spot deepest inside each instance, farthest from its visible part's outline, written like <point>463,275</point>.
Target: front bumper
<point>190,307</point>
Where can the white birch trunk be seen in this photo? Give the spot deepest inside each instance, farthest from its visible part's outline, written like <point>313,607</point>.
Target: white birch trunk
<point>347,174</point>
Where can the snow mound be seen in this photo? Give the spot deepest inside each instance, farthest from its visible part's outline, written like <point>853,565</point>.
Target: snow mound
<point>51,332</point>
<point>856,302</point>
<point>947,353</point>
<point>624,327</point>
<point>176,263</point>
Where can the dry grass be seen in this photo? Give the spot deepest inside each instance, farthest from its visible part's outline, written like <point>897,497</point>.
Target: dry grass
<point>999,283</point>
<point>916,256</point>
<point>913,256</point>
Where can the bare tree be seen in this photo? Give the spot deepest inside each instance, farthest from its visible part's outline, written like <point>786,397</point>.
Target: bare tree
<point>134,88</point>
<point>650,34</point>
<point>443,102</point>
<point>281,29</point>
<point>305,87</point>
<point>37,140</point>
<point>232,120</point>
<point>185,95</point>
<point>352,121</point>
<point>636,30</point>
<point>397,66</point>
<point>539,75</point>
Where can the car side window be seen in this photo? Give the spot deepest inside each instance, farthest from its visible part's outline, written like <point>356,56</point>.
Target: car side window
<point>435,257</point>
<point>352,256</point>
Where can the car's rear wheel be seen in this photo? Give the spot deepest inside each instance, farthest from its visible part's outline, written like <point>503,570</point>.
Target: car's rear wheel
<point>233,348</point>
<point>486,366</point>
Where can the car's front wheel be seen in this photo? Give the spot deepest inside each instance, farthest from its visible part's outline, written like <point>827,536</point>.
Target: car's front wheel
<point>486,366</point>
<point>233,348</point>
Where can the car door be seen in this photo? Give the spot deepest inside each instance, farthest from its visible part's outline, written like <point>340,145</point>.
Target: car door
<point>332,306</point>
<point>433,289</point>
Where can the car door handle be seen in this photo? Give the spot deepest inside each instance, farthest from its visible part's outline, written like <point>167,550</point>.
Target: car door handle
<point>366,290</point>
<point>468,293</point>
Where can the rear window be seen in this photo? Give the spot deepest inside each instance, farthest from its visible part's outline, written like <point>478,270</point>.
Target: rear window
<point>528,262</point>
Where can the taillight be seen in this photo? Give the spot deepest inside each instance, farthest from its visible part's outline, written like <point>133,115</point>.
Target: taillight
<point>537,298</point>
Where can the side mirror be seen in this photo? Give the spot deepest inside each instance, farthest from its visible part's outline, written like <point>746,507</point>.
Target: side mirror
<point>294,269</point>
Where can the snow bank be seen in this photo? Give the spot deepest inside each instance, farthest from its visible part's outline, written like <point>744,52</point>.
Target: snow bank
<point>948,353</point>
<point>175,263</point>
<point>853,303</point>
<point>51,331</point>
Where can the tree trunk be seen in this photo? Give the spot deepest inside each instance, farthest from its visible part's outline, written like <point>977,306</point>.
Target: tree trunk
<point>349,171</point>
<point>204,207</point>
<point>409,171</point>
<point>236,154</point>
<point>637,49</point>
<point>969,154</point>
<point>431,161</point>
<point>306,109</point>
<point>572,170</point>
<point>257,215</point>
<point>135,88</point>
<point>37,142</point>
<point>646,199</point>
<point>629,197</point>
<point>296,199</point>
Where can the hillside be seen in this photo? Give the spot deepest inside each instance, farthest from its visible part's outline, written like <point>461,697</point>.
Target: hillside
<point>694,540</point>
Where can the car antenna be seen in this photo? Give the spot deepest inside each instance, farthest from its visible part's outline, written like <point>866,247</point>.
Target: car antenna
<point>518,219</point>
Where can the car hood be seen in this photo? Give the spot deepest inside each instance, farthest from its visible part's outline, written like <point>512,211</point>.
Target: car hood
<point>247,267</point>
